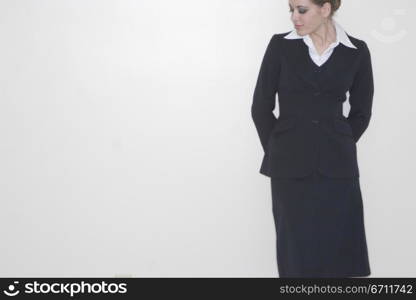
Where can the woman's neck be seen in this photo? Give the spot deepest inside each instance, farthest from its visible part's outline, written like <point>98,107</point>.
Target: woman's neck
<point>325,35</point>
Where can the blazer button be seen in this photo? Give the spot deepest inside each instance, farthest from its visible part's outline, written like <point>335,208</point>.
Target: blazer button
<point>316,93</point>
<point>315,121</point>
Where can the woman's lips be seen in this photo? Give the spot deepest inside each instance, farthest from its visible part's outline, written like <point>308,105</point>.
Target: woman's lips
<point>298,26</point>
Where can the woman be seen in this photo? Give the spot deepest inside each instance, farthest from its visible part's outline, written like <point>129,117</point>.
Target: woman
<point>310,149</point>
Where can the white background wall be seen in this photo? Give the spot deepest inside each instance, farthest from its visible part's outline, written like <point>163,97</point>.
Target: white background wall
<point>127,145</point>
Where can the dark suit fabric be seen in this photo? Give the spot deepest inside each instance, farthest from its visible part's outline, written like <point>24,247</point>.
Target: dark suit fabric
<point>311,132</point>
<point>310,155</point>
<point>319,227</point>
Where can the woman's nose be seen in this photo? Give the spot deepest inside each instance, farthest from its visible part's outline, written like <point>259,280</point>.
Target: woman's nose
<point>294,17</point>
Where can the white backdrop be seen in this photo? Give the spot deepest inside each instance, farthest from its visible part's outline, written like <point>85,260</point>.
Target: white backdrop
<point>128,149</point>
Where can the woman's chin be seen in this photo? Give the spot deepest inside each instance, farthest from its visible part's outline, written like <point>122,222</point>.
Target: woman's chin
<point>300,31</point>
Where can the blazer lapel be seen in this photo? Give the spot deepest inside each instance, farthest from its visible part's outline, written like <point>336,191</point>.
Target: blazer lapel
<point>298,58</point>
<point>341,59</point>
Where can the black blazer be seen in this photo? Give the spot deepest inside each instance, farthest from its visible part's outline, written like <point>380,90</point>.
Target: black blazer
<point>311,132</point>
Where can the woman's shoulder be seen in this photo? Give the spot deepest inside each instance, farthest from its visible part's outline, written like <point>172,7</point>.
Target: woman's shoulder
<point>281,35</point>
<point>364,52</point>
<point>359,43</point>
<point>276,37</point>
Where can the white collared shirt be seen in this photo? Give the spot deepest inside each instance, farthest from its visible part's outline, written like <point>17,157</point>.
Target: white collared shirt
<point>341,37</point>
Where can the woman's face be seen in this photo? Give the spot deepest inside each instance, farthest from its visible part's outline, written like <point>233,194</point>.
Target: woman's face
<point>308,15</point>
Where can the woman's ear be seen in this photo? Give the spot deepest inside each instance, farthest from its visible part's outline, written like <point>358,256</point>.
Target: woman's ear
<point>326,9</point>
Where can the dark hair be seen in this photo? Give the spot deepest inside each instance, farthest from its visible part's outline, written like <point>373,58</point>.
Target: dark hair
<point>335,4</point>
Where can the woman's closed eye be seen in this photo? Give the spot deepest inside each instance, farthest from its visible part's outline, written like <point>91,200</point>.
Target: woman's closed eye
<point>301,11</point>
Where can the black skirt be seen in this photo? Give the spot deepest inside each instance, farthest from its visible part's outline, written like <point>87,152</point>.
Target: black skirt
<point>319,227</point>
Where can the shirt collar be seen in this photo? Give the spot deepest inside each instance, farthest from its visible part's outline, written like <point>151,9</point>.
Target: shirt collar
<point>341,36</point>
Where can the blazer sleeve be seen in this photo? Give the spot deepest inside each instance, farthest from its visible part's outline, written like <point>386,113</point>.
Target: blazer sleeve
<point>264,97</point>
<point>361,95</point>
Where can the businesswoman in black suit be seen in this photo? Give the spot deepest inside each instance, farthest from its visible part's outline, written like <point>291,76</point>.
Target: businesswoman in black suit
<point>310,150</point>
